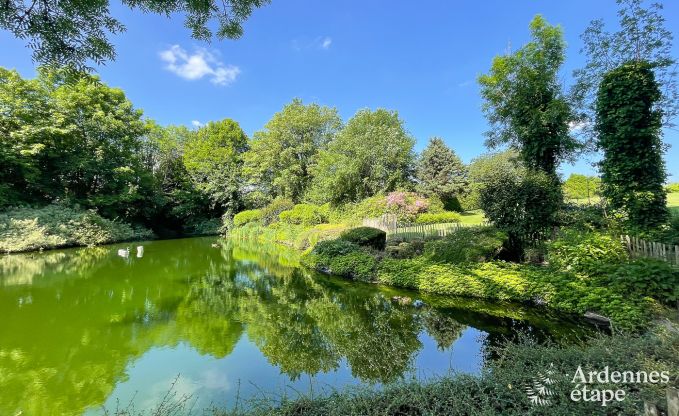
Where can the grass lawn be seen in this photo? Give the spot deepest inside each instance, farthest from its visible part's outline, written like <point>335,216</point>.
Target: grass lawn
<point>673,202</point>
<point>473,217</point>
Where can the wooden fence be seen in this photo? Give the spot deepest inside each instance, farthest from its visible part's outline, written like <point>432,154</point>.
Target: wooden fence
<point>406,232</point>
<point>642,248</point>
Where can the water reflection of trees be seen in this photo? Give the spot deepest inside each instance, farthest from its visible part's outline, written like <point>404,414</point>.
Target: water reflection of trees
<point>91,313</point>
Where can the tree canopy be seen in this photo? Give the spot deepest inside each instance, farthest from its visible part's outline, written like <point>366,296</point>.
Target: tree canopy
<point>524,101</point>
<point>641,37</point>
<point>73,32</point>
<point>281,157</point>
<point>441,172</point>
<point>372,154</point>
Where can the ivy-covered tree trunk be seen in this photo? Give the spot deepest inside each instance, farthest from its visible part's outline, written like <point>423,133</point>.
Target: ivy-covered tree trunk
<point>628,130</point>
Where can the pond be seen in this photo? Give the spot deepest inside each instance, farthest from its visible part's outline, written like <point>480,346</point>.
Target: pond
<point>85,329</point>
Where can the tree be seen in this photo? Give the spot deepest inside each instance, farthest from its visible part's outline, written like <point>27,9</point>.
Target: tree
<point>628,128</point>
<point>484,168</point>
<point>281,156</point>
<point>182,202</point>
<point>524,101</point>
<point>522,206</point>
<point>72,32</point>
<point>372,154</point>
<point>440,172</point>
<point>582,186</point>
<point>74,142</point>
<point>642,37</point>
<point>214,158</point>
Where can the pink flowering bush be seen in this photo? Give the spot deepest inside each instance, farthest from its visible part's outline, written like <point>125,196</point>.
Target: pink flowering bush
<point>406,205</point>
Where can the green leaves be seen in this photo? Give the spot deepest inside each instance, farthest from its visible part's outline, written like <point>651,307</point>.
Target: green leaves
<point>628,128</point>
<point>74,33</point>
<point>372,154</point>
<point>282,156</point>
<point>524,102</point>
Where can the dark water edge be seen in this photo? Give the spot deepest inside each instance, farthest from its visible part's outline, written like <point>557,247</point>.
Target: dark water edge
<point>84,327</point>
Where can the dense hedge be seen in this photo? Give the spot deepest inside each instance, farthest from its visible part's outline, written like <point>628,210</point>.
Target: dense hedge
<point>466,245</point>
<point>563,291</point>
<point>247,216</point>
<point>342,258</point>
<point>305,214</point>
<point>367,237</point>
<point>438,218</point>
<point>53,226</point>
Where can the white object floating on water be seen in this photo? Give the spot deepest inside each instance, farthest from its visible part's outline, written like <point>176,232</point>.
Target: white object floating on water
<point>124,252</point>
<point>140,251</point>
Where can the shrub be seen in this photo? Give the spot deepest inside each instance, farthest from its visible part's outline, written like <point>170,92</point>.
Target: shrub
<point>271,212</point>
<point>357,265</point>
<point>438,218</point>
<point>304,214</point>
<point>584,217</point>
<point>333,248</point>
<point>367,237</point>
<point>525,206</point>
<point>311,236</point>
<point>247,216</point>
<point>342,258</point>
<point>644,277</point>
<point>53,226</point>
<point>466,245</point>
<point>585,252</point>
<point>562,291</point>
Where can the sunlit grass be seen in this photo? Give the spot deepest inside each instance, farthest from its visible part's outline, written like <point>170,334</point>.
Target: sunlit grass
<point>473,217</point>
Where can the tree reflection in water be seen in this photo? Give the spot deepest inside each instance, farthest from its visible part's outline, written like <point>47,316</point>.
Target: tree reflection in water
<point>74,320</point>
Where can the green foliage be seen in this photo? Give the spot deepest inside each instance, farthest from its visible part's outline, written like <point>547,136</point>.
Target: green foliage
<point>585,252</point>
<point>581,186</point>
<point>281,157</point>
<point>585,217</point>
<point>440,172</point>
<point>438,218</point>
<point>372,154</point>
<point>76,143</point>
<point>500,389</point>
<point>517,282</point>
<point>342,258</point>
<point>73,32</point>
<point>524,102</point>
<point>321,232</point>
<point>524,206</point>
<point>484,168</point>
<point>466,245</point>
<point>672,187</point>
<point>247,216</point>
<point>670,235</point>
<point>213,158</point>
<point>271,212</point>
<point>628,128</point>
<point>305,214</point>
<point>53,226</point>
<point>643,277</point>
<point>367,237</point>
<point>642,36</point>
<point>334,248</point>
<point>357,265</point>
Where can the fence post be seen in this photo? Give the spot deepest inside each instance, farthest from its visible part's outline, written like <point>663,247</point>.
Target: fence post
<point>672,401</point>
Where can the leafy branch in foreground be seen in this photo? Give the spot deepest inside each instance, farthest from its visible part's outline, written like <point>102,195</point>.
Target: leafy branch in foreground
<point>73,32</point>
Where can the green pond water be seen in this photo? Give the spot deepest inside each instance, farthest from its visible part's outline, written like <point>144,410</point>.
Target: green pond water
<point>84,329</point>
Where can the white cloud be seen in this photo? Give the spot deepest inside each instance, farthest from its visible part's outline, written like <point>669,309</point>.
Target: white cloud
<point>200,64</point>
<point>196,123</point>
<point>326,43</point>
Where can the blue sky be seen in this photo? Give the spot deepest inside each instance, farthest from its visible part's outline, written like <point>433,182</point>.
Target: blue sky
<point>419,58</point>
